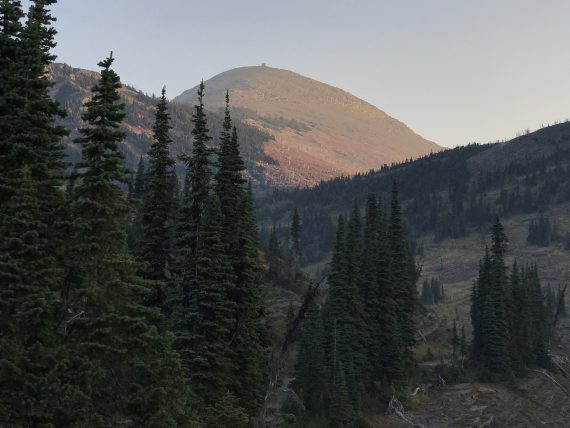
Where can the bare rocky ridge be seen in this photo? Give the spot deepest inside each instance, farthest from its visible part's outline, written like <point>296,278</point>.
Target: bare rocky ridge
<point>320,131</point>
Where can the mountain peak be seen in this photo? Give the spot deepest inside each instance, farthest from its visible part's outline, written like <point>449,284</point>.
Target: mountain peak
<point>319,131</point>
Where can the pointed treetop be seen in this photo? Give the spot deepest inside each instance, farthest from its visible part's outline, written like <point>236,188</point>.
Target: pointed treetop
<point>107,62</point>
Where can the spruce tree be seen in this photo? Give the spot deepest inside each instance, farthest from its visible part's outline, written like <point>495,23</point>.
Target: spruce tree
<point>124,366</point>
<point>310,379</point>
<point>340,410</point>
<point>369,287</point>
<point>12,100</point>
<point>229,182</point>
<point>481,287</point>
<point>494,354</point>
<point>403,278</point>
<point>28,134</point>
<point>158,207</point>
<point>249,336</point>
<point>388,364</point>
<point>499,297</point>
<point>344,317</point>
<point>519,320</point>
<point>203,325</point>
<point>199,168</point>
<point>32,214</point>
<point>455,341</point>
<point>29,306</point>
<point>296,234</point>
<point>540,329</point>
<point>138,187</point>
<point>427,293</point>
<point>191,218</point>
<point>226,413</point>
<point>250,339</point>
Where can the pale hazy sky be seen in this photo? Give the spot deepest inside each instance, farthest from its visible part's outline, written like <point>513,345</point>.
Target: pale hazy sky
<point>455,71</point>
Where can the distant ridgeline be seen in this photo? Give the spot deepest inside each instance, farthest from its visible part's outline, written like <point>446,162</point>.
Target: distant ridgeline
<point>448,193</point>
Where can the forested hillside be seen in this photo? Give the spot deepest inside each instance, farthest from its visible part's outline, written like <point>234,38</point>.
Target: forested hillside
<point>447,194</point>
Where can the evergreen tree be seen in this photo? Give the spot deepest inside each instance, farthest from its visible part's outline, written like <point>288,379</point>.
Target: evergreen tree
<point>510,320</point>
<point>290,319</point>
<point>519,321</point>
<point>135,196</point>
<point>403,278</point>
<point>344,312</point>
<point>229,183</point>
<point>195,196</point>
<point>32,215</point>
<point>296,233</point>
<point>29,136</point>
<point>340,409</point>
<point>226,413</point>
<point>203,325</point>
<point>124,366</point>
<point>455,341</point>
<point>28,311</point>
<point>310,379</point>
<point>274,259</point>
<point>369,283</point>
<point>158,208</point>
<point>480,293</point>
<point>497,360</point>
<point>463,343</point>
<point>249,339</point>
<point>386,365</point>
<point>250,342</point>
<point>139,181</point>
<point>427,293</point>
<point>540,330</point>
<point>490,309</point>
<point>12,101</point>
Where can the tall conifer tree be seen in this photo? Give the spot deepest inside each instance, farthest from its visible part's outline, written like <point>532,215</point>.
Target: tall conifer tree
<point>31,248</point>
<point>296,233</point>
<point>203,341</point>
<point>250,338</point>
<point>311,372</point>
<point>403,277</point>
<point>129,370</point>
<point>191,214</point>
<point>158,208</point>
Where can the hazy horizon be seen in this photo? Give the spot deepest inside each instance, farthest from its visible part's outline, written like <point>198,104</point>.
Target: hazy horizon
<point>453,72</point>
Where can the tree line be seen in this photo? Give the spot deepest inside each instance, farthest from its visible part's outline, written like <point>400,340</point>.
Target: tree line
<point>511,323</point>
<point>432,292</point>
<point>441,193</point>
<point>169,332</point>
<point>360,342</point>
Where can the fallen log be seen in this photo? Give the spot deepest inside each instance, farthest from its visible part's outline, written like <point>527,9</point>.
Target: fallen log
<point>554,381</point>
